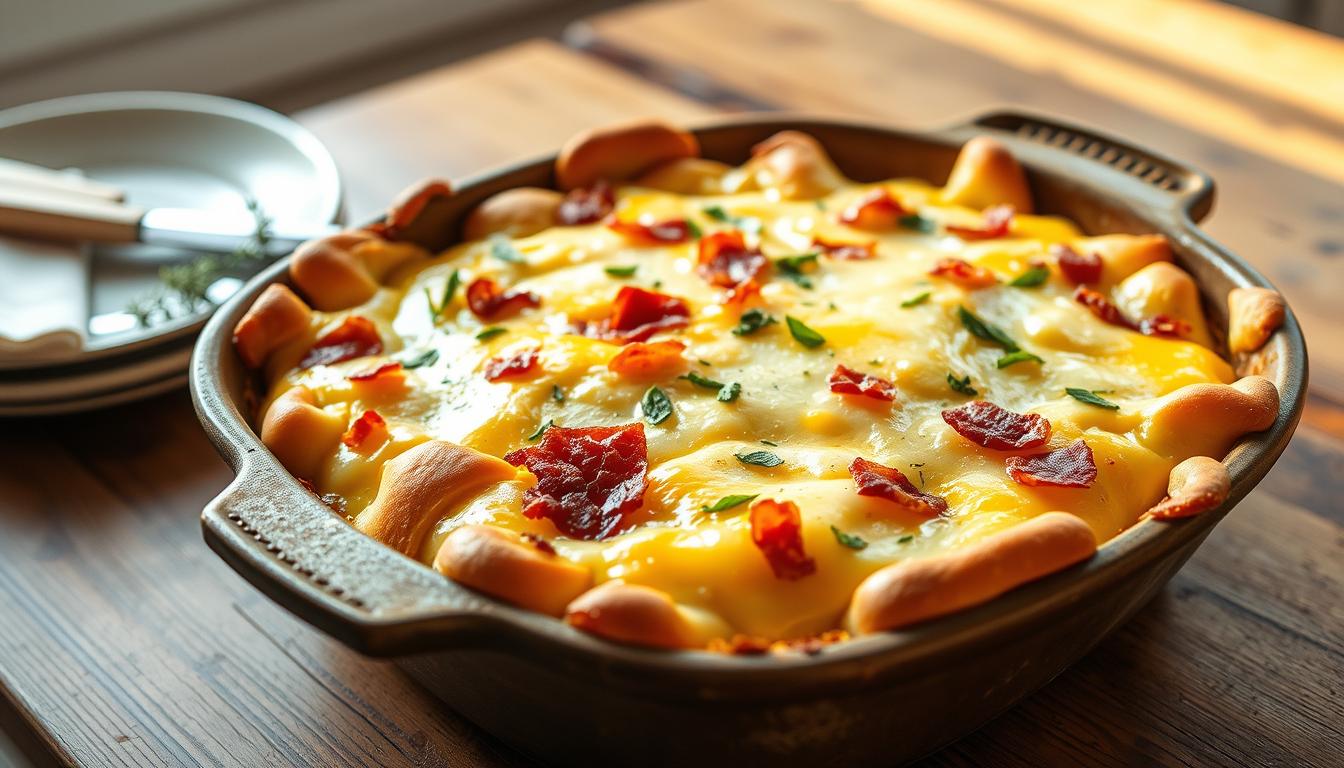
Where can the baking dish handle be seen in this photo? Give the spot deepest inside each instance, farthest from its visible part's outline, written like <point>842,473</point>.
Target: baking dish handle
<point>1052,144</point>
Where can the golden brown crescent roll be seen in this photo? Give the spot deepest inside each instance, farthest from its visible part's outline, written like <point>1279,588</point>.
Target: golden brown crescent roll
<point>300,434</point>
<point>986,174</point>
<point>507,566</point>
<point>514,212</point>
<point>1162,288</point>
<point>792,163</point>
<point>1253,315</point>
<point>1196,485</point>
<point>686,176</point>
<point>917,590</point>
<point>1205,419</point>
<point>620,152</point>
<point>1123,255</point>
<point>277,316</point>
<point>640,615</point>
<point>418,486</point>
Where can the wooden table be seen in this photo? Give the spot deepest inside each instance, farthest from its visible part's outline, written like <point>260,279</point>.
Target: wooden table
<point>124,641</point>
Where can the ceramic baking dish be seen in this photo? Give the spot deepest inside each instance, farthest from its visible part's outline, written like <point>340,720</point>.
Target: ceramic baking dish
<point>568,697</point>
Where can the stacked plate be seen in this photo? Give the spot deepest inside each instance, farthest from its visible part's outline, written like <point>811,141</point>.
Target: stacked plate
<point>159,149</point>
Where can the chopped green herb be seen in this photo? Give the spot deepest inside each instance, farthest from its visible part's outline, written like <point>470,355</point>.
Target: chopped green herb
<point>728,502</point>
<point>425,357</point>
<point>557,394</point>
<point>744,223</point>
<point>795,268</point>
<point>621,271</point>
<point>985,330</point>
<point>1031,278</point>
<point>752,321</point>
<point>449,291</point>
<point>702,381</point>
<point>545,425</point>
<point>656,406</point>
<point>1090,397</point>
<point>821,204</point>
<point>486,334</point>
<point>848,539</point>
<point>729,392</point>
<point>919,223</point>
<point>657,284</point>
<point>694,229</point>
<point>915,301</point>
<point>962,385</point>
<point>769,443</point>
<point>705,363</point>
<point>759,458</point>
<point>906,539</point>
<point>503,249</point>
<point>802,334</point>
<point>716,212</point>
<point>1017,356</point>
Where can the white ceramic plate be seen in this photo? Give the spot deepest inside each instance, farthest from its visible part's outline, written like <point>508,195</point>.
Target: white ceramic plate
<point>169,149</point>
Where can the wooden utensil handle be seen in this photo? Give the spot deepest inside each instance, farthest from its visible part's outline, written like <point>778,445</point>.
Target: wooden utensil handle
<point>21,174</point>
<point>54,216</point>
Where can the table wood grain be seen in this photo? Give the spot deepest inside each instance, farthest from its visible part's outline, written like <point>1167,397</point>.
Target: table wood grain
<point>124,641</point>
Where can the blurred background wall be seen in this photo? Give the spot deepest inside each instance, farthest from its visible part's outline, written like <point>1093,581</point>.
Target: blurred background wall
<point>289,54</point>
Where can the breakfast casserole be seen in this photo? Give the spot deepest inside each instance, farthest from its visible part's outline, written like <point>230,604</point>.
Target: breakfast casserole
<point>681,404</point>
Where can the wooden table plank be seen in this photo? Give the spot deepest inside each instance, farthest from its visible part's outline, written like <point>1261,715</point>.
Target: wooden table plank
<point>1278,156</point>
<point>126,642</point>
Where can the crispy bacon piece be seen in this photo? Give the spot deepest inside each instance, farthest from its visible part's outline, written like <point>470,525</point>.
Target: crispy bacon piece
<point>998,222</point>
<point>848,381</point>
<point>1161,325</point>
<point>586,205</point>
<point>648,360</point>
<point>875,211</point>
<point>1077,267</point>
<point>964,273</point>
<point>355,337</point>
<point>637,314</point>
<point>589,479</point>
<point>845,251</point>
<point>740,295</point>
<point>889,483</point>
<point>386,371</point>
<point>1102,307</point>
<point>486,299</point>
<point>726,261</point>
<point>368,432</point>
<point>665,232</point>
<point>511,367</point>
<point>989,426</point>
<point>1067,467</point>
<point>777,530</point>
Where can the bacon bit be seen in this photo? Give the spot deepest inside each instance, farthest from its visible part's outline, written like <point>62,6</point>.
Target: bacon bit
<point>670,231</point>
<point>511,367</point>
<point>1161,325</point>
<point>813,644</point>
<point>368,427</point>
<point>847,381</point>
<point>875,211</point>
<point>1102,307</point>
<point>486,299</point>
<point>652,360</point>
<point>586,205</point>
<point>335,501</point>
<point>637,314</point>
<point>589,479</point>
<point>989,426</point>
<point>740,645</point>
<point>777,530</point>
<point>1077,267</point>
<point>1067,467</point>
<point>541,544</point>
<point>846,251</point>
<point>726,261</point>
<point>998,222</point>
<point>891,484</point>
<point>964,273</point>
<point>384,371</point>
<point>739,295</point>
<point>355,337</point>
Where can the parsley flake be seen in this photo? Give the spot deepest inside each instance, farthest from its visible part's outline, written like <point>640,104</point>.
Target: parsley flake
<point>627,271</point>
<point>745,223</point>
<point>795,268</point>
<point>752,321</point>
<point>425,357</point>
<point>503,249</point>
<point>557,394</point>
<point>1090,397</point>
<point>915,301</point>
<point>962,385</point>
<point>728,502</point>
<point>986,330</point>
<point>1031,278</point>
<point>803,334</point>
<point>545,425</point>
<point>759,458</point>
<point>848,539</point>
<point>1017,356</point>
<point>450,287</point>
<point>486,334</point>
<point>906,539</point>
<point>694,229</point>
<point>919,223</point>
<point>656,406</point>
<point>702,381</point>
<point>729,392</point>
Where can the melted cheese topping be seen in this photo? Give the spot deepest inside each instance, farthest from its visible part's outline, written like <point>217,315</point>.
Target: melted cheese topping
<point>707,560</point>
